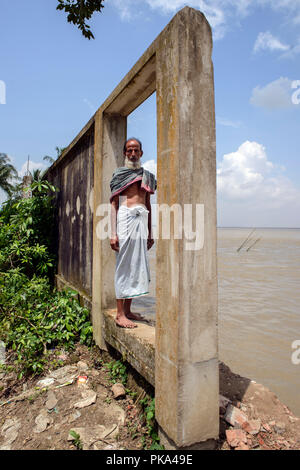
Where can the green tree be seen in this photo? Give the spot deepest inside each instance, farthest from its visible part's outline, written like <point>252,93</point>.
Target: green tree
<point>50,159</point>
<point>37,174</point>
<point>79,11</point>
<point>59,151</point>
<point>7,174</point>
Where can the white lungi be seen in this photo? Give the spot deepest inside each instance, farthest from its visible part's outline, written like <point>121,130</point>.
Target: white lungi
<point>132,274</point>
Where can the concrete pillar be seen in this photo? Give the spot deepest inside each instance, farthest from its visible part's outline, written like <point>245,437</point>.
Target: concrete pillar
<point>114,135</point>
<point>186,364</point>
<point>110,134</point>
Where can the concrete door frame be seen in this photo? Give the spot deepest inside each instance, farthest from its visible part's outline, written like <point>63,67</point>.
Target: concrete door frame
<point>178,66</point>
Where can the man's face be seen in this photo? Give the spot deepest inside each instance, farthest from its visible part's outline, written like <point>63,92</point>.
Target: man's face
<point>133,151</point>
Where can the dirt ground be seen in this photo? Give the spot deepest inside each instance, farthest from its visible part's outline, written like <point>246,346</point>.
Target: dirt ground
<point>28,421</point>
<point>40,416</point>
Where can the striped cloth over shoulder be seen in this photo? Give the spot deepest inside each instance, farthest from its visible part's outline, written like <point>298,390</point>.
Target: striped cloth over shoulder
<point>124,177</point>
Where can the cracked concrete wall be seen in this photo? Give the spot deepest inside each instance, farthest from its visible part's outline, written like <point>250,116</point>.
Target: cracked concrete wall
<point>74,178</point>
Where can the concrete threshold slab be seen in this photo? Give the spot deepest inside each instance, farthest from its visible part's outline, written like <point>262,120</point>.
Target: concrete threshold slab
<point>137,345</point>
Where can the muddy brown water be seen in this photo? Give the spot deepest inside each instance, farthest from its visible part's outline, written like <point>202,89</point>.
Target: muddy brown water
<point>259,307</point>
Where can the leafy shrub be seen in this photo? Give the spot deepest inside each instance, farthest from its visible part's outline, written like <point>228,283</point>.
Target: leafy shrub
<point>27,237</point>
<point>34,316</point>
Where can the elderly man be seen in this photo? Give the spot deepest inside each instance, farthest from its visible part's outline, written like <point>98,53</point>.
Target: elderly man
<point>131,187</point>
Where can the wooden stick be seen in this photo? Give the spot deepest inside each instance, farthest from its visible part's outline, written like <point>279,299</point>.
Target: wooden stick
<point>246,240</point>
<point>252,244</point>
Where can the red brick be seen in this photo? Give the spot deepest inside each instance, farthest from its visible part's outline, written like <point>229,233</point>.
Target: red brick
<point>252,426</point>
<point>266,427</point>
<point>235,437</point>
<point>234,416</point>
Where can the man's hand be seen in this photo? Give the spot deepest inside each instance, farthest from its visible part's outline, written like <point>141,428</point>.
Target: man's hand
<point>114,243</point>
<point>150,243</point>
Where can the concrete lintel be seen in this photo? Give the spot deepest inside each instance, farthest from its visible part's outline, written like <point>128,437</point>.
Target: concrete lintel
<point>136,87</point>
<point>144,68</point>
<point>137,90</point>
<point>136,344</point>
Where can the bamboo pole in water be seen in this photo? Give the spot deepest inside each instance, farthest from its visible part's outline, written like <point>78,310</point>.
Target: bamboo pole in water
<point>253,244</point>
<point>245,241</point>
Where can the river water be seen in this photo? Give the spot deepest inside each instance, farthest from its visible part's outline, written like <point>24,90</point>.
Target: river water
<point>259,306</point>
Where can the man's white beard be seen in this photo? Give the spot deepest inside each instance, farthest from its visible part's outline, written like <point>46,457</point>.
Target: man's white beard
<point>132,165</point>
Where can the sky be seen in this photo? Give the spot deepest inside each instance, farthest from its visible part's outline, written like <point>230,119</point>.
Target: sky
<point>52,80</point>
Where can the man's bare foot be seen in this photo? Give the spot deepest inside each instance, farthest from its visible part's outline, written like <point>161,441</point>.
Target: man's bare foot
<point>124,322</point>
<point>135,316</point>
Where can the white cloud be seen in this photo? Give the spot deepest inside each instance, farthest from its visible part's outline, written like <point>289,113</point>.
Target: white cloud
<point>242,171</point>
<point>150,165</point>
<point>32,166</point>
<point>92,107</point>
<point>219,13</point>
<point>227,122</point>
<point>125,8</point>
<point>212,9</point>
<point>290,7</point>
<point>252,190</point>
<point>275,95</point>
<point>251,187</point>
<point>292,52</point>
<point>3,196</point>
<point>296,20</point>
<point>13,180</point>
<point>266,41</point>
<point>10,158</point>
